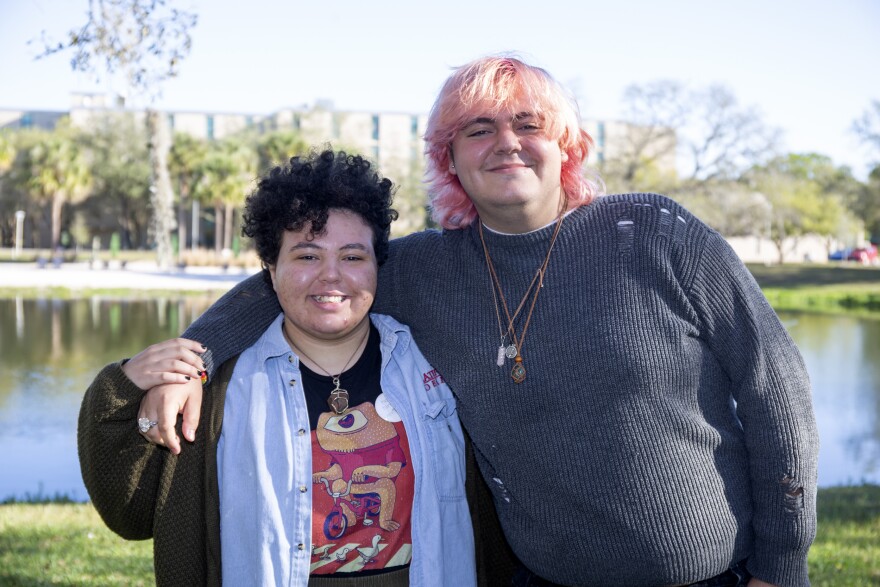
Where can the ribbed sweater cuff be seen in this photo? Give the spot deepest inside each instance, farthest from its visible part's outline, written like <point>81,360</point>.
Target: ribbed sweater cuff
<point>781,569</point>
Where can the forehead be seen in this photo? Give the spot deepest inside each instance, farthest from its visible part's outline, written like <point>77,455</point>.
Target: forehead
<point>342,227</point>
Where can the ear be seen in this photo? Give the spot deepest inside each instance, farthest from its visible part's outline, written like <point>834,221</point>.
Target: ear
<point>271,269</point>
<point>564,156</point>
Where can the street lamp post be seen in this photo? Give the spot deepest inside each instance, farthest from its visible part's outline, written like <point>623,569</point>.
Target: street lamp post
<point>19,233</point>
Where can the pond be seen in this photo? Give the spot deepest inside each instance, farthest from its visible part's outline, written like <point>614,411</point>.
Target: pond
<point>51,349</point>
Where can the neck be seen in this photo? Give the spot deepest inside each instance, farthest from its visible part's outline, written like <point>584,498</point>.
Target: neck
<point>519,218</point>
<point>328,356</point>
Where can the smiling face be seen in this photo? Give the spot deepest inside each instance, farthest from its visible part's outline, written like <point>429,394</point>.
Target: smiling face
<point>510,169</point>
<point>326,282</point>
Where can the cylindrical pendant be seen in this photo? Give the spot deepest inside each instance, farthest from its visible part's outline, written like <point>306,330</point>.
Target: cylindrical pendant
<point>500,359</point>
<point>518,373</point>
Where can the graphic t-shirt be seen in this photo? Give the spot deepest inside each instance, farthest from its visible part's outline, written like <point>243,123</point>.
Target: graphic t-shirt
<point>362,478</point>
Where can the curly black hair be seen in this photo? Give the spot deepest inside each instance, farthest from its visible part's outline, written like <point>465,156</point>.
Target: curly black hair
<point>306,189</point>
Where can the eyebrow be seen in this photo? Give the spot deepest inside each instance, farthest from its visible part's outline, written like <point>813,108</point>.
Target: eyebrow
<point>488,120</point>
<point>310,245</point>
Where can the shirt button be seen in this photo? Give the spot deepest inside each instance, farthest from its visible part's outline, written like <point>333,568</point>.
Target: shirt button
<point>289,358</point>
<point>301,432</point>
<point>292,382</point>
<point>303,488</point>
<point>301,546</point>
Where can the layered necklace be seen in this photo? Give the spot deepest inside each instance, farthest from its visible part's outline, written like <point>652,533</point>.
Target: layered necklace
<point>514,349</point>
<point>338,399</point>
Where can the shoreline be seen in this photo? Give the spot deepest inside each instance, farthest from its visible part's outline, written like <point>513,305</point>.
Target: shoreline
<point>136,276</point>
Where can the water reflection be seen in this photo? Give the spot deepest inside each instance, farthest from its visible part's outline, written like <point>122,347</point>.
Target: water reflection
<point>842,355</point>
<point>50,350</point>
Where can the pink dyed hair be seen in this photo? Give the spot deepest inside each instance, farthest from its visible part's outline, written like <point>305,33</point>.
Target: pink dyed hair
<point>495,84</point>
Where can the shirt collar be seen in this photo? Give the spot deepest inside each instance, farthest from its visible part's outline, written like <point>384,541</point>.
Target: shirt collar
<point>272,343</point>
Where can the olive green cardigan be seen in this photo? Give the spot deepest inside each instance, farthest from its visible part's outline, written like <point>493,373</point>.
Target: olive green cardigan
<point>143,491</point>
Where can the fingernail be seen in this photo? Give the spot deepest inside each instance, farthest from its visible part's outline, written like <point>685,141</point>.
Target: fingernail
<point>190,434</point>
<point>204,366</point>
<point>204,347</point>
<point>187,377</point>
<point>204,377</point>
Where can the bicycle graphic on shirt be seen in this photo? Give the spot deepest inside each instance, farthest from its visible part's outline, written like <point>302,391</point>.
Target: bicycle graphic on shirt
<point>365,506</point>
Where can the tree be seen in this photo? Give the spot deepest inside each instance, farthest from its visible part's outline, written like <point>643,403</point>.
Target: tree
<point>717,138</point>
<point>229,168</point>
<point>7,157</point>
<point>119,201</point>
<point>277,147</point>
<point>868,126</point>
<point>58,172</point>
<point>806,196</point>
<point>866,204</point>
<point>144,41</point>
<point>185,161</point>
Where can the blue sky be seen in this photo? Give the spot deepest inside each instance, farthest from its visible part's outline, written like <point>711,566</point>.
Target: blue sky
<point>811,67</point>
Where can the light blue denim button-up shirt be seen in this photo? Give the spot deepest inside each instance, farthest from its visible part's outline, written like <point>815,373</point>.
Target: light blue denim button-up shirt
<point>264,465</point>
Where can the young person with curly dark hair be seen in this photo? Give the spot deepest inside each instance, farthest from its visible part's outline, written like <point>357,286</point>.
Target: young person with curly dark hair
<point>373,495</point>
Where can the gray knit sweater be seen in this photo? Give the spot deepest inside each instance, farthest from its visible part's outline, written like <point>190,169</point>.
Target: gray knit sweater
<point>665,428</point>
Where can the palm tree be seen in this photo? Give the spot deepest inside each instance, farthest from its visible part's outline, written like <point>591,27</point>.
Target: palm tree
<point>277,147</point>
<point>59,173</point>
<point>185,162</point>
<point>229,168</point>
<point>7,157</point>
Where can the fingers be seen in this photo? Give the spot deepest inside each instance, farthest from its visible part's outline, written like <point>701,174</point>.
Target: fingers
<point>191,412</point>
<point>167,419</point>
<point>172,361</point>
<point>163,404</point>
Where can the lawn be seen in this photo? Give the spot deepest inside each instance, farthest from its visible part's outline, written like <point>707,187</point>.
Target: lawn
<point>67,544</point>
<point>829,287</point>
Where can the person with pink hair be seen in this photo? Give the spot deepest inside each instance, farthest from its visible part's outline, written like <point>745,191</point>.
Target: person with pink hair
<point>637,412</point>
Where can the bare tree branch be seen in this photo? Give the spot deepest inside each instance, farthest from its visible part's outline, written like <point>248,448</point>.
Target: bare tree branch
<point>144,40</point>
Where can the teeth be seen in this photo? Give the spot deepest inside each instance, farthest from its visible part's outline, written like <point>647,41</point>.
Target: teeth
<point>329,299</point>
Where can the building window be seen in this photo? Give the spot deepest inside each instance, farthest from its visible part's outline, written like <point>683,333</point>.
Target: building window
<point>375,127</point>
<point>210,127</point>
<point>374,153</point>
<point>415,127</point>
<point>600,138</point>
<point>248,121</point>
<point>27,120</point>
<point>171,123</point>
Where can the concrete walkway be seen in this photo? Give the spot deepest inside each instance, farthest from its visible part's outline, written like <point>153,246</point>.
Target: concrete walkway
<point>140,275</point>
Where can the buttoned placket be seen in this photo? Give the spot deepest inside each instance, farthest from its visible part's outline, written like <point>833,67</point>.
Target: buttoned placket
<point>301,441</point>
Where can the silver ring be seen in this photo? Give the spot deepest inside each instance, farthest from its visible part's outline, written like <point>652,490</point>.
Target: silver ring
<point>144,424</point>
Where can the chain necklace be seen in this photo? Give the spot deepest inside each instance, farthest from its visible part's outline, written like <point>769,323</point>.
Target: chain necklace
<point>338,400</point>
<point>504,349</point>
<point>518,372</point>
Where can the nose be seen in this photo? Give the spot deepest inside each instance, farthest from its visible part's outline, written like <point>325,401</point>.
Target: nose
<point>507,141</point>
<point>330,271</point>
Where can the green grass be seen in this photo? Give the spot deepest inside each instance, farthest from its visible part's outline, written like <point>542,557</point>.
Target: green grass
<point>829,288</point>
<point>846,552</point>
<point>67,544</point>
